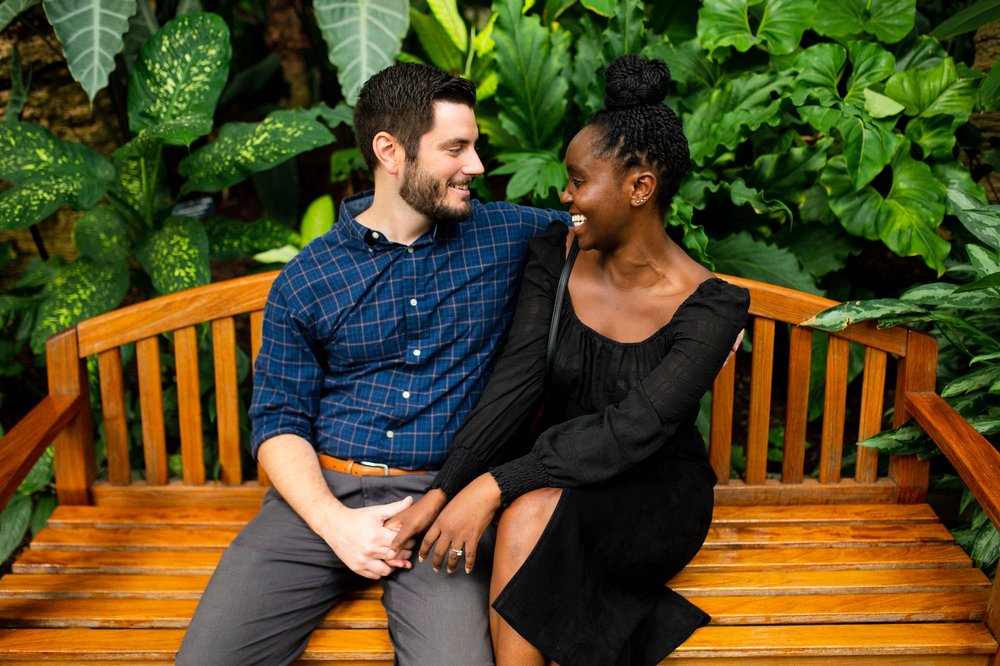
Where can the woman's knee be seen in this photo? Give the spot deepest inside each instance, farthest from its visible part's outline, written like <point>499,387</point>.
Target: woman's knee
<point>523,521</point>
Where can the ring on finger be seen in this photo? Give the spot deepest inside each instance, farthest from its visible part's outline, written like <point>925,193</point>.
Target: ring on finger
<point>458,551</point>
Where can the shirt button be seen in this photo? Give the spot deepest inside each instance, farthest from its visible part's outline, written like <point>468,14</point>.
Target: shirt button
<point>410,250</point>
<point>413,302</point>
<point>406,395</point>
<point>416,352</point>
<point>375,234</point>
<point>389,434</point>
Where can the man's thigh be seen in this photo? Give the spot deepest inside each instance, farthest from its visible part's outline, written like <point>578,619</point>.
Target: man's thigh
<point>273,586</point>
<point>441,619</point>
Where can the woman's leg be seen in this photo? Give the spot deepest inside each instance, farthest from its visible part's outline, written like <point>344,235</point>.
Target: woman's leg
<point>521,525</point>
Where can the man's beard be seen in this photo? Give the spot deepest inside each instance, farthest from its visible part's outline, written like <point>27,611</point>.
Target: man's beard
<point>427,196</point>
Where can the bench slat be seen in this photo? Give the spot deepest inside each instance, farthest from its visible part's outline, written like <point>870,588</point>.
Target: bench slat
<point>872,408</point>
<point>227,400</point>
<point>189,405</point>
<point>759,424</point>
<point>797,404</point>
<point>838,353</point>
<point>109,365</point>
<point>154,438</point>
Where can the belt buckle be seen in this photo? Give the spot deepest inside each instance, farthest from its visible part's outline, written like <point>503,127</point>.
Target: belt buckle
<point>382,466</point>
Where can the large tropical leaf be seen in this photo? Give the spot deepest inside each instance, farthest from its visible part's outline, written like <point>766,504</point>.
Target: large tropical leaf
<point>889,20</point>
<point>741,255</point>
<point>727,23</point>
<point>533,90</point>
<point>446,13</point>
<point>971,18</point>
<point>871,64</point>
<point>624,34</point>
<point>536,173</point>
<point>14,524</point>
<point>176,256</point>
<point>78,291</point>
<point>91,33</point>
<point>906,220</point>
<point>436,43</point>
<point>141,27</point>
<point>363,37</point>
<point>234,238</point>
<point>50,173</point>
<point>102,235</point>
<point>841,316</point>
<point>932,92</point>
<point>243,149</point>
<point>177,80</point>
<point>982,221</point>
<point>9,10</point>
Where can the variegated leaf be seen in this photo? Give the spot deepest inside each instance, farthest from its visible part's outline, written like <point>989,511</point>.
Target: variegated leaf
<point>364,37</point>
<point>91,33</point>
<point>246,148</point>
<point>841,316</point>
<point>78,291</point>
<point>176,256</point>
<point>179,75</point>
<point>235,238</point>
<point>102,235</point>
<point>50,172</point>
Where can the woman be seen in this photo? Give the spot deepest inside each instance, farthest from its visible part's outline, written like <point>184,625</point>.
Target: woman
<point>614,497</point>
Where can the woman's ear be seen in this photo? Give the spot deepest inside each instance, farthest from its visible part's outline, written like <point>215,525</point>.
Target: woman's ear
<point>643,186</point>
<point>388,152</point>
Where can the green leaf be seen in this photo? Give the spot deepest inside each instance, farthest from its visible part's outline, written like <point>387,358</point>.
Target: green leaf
<point>176,82</point>
<point>986,545</point>
<point>363,37</point>
<point>45,504</point>
<point>532,90</point>
<point>841,316</point>
<point>947,295</point>
<point>988,282</point>
<point>689,67</point>
<point>982,221</point>
<point>972,382</point>
<point>78,291</point>
<point>820,68</point>
<point>141,27</point>
<point>534,172</point>
<point>869,147</point>
<point>446,13</point>
<point>102,235</point>
<point>9,10</point>
<point>879,106</point>
<point>906,220</point>
<point>20,82</point>
<point>907,439</point>
<point>235,238</point>
<point>176,256</point>
<point>243,149</point>
<point>935,91</point>
<point>786,174</point>
<point>872,64</point>
<point>624,34</point>
<point>889,20</point>
<point>727,23</point>
<point>14,524</point>
<point>971,18</point>
<point>318,219</point>
<point>51,173</point>
<point>435,42</point>
<point>820,248</point>
<point>602,7</point>
<point>91,34</point>
<point>740,194</point>
<point>989,88</point>
<point>935,136</point>
<point>40,476</point>
<point>280,255</point>
<point>739,254</point>
<point>985,262</point>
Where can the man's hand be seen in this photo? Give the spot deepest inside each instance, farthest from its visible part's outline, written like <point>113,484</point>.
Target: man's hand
<point>361,540</point>
<point>461,524</point>
<point>416,519</point>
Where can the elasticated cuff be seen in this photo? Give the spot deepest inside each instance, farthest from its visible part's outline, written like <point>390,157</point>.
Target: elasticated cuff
<point>520,476</point>
<point>461,467</point>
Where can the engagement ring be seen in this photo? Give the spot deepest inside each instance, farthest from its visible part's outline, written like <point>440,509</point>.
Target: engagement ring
<point>457,551</point>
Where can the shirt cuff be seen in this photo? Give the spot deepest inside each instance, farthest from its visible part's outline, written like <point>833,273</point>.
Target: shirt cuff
<point>520,476</point>
<point>461,467</point>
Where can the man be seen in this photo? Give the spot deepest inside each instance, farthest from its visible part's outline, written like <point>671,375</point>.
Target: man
<point>377,342</point>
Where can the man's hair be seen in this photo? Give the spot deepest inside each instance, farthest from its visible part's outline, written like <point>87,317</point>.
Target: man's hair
<point>637,128</point>
<point>400,100</point>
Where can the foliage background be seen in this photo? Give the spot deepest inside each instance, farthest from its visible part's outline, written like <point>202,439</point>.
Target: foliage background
<point>831,141</point>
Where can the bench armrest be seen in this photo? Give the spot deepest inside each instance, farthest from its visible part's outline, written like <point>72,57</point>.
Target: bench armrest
<point>975,459</point>
<point>24,444</point>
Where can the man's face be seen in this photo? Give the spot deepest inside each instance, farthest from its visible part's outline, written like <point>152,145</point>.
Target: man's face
<point>436,181</point>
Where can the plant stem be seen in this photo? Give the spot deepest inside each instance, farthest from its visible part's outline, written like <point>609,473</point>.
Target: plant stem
<point>36,236</point>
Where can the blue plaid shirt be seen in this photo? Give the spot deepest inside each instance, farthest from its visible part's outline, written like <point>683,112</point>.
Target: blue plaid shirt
<point>377,351</point>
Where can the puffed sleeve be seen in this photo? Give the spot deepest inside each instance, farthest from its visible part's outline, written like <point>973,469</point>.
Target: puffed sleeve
<point>515,388</point>
<point>595,447</point>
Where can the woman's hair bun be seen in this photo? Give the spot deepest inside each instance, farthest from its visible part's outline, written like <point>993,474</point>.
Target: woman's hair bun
<point>633,81</point>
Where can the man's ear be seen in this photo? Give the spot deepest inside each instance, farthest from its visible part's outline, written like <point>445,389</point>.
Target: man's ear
<point>389,152</point>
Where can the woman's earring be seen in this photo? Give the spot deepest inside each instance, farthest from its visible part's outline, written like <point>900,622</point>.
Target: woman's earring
<point>639,202</point>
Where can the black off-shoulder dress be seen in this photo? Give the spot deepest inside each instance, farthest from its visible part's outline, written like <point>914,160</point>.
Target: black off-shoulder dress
<point>618,434</point>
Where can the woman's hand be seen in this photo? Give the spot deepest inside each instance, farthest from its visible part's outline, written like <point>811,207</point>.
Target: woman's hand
<point>460,525</point>
<point>407,524</point>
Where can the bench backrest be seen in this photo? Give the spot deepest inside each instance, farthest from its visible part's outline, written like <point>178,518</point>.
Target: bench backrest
<point>167,332</point>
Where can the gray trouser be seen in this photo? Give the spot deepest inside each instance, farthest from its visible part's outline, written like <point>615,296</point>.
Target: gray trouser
<point>278,579</point>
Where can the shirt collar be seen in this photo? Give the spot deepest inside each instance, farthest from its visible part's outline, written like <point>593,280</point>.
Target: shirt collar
<point>361,237</point>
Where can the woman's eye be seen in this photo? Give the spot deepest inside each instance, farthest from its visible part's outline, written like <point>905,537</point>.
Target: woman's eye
<point>576,182</point>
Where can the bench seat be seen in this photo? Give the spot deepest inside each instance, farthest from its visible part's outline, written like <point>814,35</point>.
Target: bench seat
<point>878,582</point>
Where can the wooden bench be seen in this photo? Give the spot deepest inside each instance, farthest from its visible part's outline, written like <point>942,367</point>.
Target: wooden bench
<point>830,567</point>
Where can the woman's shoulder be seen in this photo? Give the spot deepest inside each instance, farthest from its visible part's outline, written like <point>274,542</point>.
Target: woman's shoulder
<point>549,245</point>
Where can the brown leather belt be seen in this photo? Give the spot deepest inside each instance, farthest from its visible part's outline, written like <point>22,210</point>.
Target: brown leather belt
<point>362,467</point>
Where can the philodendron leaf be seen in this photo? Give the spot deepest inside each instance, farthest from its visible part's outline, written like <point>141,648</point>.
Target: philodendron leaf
<point>78,291</point>
<point>435,42</point>
<point>533,90</point>
<point>841,316</point>
<point>50,173</point>
<point>889,20</point>
<point>533,172</point>
<point>91,33</point>
<point>982,221</point>
<point>363,37</point>
<point>871,64</point>
<point>820,68</point>
<point>102,235</point>
<point>727,23</point>
<point>446,13</point>
<point>176,256</point>
<point>906,220</point>
<point>177,80</point>
<point>879,106</point>
<point>932,92</point>
<point>739,254</point>
<point>243,149</point>
<point>9,10</point>
<point>868,147</point>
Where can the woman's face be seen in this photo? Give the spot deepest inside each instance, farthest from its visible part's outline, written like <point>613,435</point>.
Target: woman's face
<point>596,194</point>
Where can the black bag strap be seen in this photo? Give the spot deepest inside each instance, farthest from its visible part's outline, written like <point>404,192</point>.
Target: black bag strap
<point>557,305</point>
